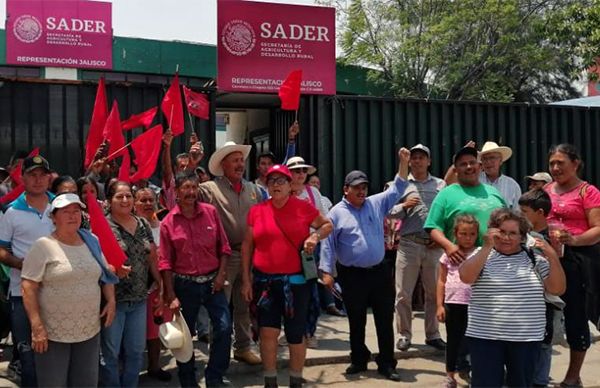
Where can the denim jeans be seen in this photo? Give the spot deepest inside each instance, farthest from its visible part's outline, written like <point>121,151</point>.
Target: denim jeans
<point>128,331</point>
<point>192,295</point>
<point>21,334</point>
<point>541,374</point>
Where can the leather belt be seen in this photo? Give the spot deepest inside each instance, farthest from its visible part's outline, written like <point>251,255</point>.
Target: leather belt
<point>198,279</point>
<point>417,239</point>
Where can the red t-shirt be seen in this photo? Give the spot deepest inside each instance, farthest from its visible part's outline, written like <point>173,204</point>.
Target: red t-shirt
<point>273,252</point>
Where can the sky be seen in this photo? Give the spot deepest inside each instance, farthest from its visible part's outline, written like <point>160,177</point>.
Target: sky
<point>184,20</point>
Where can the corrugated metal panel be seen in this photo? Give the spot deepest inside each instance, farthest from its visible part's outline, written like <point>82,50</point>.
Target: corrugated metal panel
<point>56,118</point>
<point>365,133</point>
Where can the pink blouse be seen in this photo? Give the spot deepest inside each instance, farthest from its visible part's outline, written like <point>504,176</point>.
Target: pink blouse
<point>569,208</point>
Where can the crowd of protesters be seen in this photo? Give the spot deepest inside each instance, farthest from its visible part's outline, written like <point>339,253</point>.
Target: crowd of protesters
<point>230,260</point>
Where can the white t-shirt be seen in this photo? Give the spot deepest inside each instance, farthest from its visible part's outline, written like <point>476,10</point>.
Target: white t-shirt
<point>507,300</point>
<point>69,293</point>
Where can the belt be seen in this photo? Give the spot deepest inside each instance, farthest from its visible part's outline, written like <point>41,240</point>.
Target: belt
<point>198,279</point>
<point>371,268</point>
<point>417,239</point>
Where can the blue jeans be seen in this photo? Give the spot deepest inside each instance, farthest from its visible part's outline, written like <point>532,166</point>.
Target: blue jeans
<point>191,296</point>
<point>489,357</point>
<point>21,334</point>
<point>128,331</point>
<point>541,375</point>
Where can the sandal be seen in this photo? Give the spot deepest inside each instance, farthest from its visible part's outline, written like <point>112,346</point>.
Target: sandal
<point>578,384</point>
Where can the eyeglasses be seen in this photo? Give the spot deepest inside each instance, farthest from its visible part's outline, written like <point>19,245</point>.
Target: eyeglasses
<point>302,170</point>
<point>490,158</point>
<point>277,181</point>
<point>509,235</point>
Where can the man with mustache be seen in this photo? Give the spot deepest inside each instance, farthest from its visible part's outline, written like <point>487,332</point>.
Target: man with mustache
<point>233,196</point>
<point>356,248</point>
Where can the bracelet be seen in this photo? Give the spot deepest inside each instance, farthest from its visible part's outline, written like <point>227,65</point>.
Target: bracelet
<point>318,234</point>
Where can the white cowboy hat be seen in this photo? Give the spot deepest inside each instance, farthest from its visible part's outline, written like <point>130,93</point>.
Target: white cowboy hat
<point>298,162</point>
<point>490,147</point>
<point>175,336</point>
<point>214,163</point>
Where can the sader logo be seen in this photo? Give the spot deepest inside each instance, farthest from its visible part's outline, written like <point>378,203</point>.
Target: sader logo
<point>27,28</point>
<point>238,37</point>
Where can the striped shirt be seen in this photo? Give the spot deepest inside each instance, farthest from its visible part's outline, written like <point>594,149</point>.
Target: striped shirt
<point>507,300</point>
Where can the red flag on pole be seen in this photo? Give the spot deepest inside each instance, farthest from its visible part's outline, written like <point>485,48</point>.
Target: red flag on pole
<point>108,242</point>
<point>113,133</point>
<point>146,148</point>
<point>13,194</point>
<point>124,169</point>
<point>99,116</point>
<point>141,119</point>
<point>289,91</point>
<point>197,103</point>
<point>172,107</point>
<point>16,175</point>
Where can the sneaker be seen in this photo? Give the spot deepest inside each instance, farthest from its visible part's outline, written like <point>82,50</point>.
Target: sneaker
<point>437,343</point>
<point>247,356</point>
<point>403,344</point>
<point>282,341</point>
<point>312,342</point>
<point>450,383</point>
<point>332,310</point>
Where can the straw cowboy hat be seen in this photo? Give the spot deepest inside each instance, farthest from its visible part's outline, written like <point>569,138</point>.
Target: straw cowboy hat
<point>214,163</point>
<point>490,147</point>
<point>298,162</point>
<point>175,336</point>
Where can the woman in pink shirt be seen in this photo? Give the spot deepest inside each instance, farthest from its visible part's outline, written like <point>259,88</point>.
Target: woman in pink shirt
<point>575,229</point>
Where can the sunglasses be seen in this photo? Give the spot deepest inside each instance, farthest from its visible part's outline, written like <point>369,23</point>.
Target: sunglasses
<point>302,170</point>
<point>277,181</point>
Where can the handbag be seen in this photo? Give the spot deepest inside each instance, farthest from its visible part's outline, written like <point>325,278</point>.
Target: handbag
<point>309,265</point>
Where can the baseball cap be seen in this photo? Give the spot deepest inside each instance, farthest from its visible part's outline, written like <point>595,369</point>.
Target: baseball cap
<point>32,162</point>
<point>281,169</point>
<point>540,176</point>
<point>64,200</point>
<point>355,177</point>
<point>464,151</point>
<point>421,147</point>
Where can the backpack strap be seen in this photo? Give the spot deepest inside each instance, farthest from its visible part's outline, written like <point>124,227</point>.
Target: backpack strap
<point>311,195</point>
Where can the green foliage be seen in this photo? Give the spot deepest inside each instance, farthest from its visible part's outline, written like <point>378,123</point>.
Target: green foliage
<point>495,50</point>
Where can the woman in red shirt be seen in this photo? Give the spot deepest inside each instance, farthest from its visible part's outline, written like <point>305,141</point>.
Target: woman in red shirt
<point>574,222</point>
<point>277,229</point>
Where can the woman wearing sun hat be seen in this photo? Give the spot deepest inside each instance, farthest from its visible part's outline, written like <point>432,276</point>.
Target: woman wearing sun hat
<point>63,278</point>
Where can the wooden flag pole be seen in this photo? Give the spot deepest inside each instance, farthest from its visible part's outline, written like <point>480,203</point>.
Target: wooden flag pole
<point>191,121</point>
<point>119,150</point>
<point>296,116</point>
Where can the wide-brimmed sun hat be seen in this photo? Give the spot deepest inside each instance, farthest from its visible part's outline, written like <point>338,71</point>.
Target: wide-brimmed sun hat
<point>490,147</point>
<point>214,163</point>
<point>298,162</point>
<point>175,336</point>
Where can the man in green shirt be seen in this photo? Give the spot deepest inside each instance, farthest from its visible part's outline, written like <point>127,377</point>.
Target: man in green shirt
<point>468,196</point>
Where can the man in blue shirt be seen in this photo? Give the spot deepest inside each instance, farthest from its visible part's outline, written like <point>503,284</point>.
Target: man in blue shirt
<point>357,245</point>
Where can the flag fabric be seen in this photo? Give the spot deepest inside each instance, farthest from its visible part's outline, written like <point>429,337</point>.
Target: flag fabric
<point>113,133</point>
<point>141,119</point>
<point>124,169</point>
<point>172,107</point>
<point>146,148</point>
<point>289,91</point>
<point>108,242</point>
<point>197,103</point>
<point>13,194</point>
<point>16,175</point>
<point>99,116</point>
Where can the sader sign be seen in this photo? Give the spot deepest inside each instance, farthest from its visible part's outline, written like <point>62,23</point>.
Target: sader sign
<point>260,43</point>
<point>59,33</point>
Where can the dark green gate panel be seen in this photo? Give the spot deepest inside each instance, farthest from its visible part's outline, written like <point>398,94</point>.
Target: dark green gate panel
<point>365,133</point>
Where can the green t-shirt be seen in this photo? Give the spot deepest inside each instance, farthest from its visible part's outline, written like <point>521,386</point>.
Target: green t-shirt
<point>478,201</point>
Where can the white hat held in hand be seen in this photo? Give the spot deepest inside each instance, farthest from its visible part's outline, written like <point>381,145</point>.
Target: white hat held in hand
<point>176,337</point>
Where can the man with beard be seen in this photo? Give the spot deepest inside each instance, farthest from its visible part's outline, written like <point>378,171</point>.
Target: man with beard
<point>193,261</point>
<point>468,196</point>
<point>233,196</point>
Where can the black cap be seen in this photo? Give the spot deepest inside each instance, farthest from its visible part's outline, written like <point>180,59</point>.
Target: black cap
<point>32,162</point>
<point>269,155</point>
<point>355,177</point>
<point>464,151</point>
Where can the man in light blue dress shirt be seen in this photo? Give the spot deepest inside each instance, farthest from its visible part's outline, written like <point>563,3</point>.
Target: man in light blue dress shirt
<point>357,246</point>
<point>492,156</point>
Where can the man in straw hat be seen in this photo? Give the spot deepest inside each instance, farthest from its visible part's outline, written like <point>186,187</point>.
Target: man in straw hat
<point>492,156</point>
<point>193,261</point>
<point>233,196</point>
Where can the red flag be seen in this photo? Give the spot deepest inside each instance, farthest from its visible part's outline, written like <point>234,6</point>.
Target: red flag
<point>196,103</point>
<point>289,91</point>
<point>172,107</point>
<point>141,119</point>
<point>124,169</point>
<point>99,116</point>
<point>13,194</point>
<point>146,148</point>
<point>113,133</point>
<point>108,242</point>
<point>16,175</point>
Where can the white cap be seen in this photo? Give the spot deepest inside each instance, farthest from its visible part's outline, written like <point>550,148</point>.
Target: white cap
<point>64,200</point>
<point>421,147</point>
<point>540,176</point>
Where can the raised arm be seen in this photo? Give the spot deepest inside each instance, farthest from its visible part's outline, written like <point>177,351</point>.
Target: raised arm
<point>291,147</point>
<point>471,268</point>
